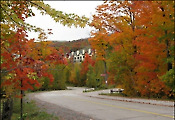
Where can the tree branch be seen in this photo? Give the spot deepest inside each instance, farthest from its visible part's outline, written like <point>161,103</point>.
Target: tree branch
<point>12,18</point>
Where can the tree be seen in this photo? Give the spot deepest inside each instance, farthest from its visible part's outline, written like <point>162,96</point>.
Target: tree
<point>154,42</point>
<point>139,45</point>
<point>115,27</point>
<point>13,18</point>
<point>59,77</point>
<point>84,67</point>
<point>91,78</point>
<point>119,71</point>
<point>20,66</point>
<point>75,74</point>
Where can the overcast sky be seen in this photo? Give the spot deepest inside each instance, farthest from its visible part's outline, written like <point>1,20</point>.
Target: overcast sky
<point>61,32</point>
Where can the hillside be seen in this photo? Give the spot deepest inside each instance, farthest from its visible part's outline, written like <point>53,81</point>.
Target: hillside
<point>74,45</point>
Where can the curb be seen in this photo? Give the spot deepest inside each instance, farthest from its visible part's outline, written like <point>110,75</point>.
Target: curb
<point>125,100</point>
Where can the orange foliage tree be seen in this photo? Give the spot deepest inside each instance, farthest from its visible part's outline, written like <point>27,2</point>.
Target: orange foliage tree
<point>140,35</point>
<point>114,25</point>
<point>85,67</point>
<point>20,66</point>
<point>154,40</point>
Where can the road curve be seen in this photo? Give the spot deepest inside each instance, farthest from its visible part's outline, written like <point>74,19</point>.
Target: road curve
<point>105,109</point>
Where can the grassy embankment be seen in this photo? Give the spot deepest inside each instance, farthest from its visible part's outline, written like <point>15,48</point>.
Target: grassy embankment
<point>31,112</point>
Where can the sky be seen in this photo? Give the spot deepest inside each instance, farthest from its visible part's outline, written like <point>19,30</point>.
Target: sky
<point>60,32</point>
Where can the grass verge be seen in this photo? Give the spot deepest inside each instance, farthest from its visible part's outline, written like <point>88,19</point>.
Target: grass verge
<point>31,112</point>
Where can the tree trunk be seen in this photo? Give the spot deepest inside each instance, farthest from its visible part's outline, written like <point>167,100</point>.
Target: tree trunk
<point>168,55</point>
<point>21,101</point>
<point>105,72</point>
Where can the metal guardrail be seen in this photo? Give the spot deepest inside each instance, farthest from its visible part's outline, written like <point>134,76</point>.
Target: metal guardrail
<point>117,90</point>
<point>88,89</point>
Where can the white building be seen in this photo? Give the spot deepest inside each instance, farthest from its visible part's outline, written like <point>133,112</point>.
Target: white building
<point>79,55</point>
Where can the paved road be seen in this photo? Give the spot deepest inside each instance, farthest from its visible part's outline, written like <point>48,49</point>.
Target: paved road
<point>104,109</point>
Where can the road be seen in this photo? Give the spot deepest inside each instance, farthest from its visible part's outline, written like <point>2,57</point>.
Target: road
<point>105,109</point>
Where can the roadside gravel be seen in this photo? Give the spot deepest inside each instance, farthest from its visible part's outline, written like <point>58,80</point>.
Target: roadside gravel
<point>95,94</point>
<point>58,111</point>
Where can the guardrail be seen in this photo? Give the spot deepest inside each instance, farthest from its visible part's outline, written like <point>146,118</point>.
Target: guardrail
<point>117,90</point>
<point>88,89</point>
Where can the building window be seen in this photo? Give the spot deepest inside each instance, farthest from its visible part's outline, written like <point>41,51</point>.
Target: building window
<point>77,57</point>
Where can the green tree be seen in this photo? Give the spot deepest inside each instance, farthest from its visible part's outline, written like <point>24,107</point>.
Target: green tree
<point>75,74</point>
<point>91,77</point>
<point>59,78</point>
